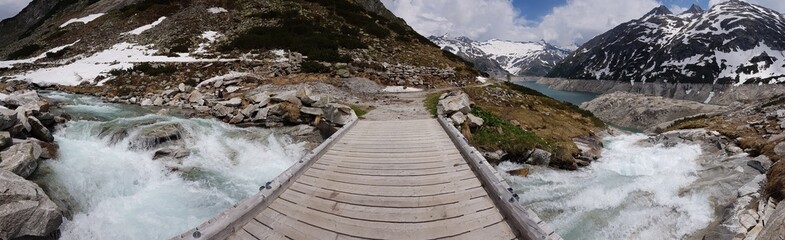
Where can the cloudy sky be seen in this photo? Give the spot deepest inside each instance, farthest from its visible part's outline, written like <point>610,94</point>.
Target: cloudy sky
<point>9,8</point>
<point>562,22</point>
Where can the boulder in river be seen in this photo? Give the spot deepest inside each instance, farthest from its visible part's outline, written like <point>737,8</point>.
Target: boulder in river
<point>21,158</point>
<point>5,140</point>
<point>7,118</point>
<point>540,157</point>
<point>25,211</point>
<point>154,135</point>
<point>39,131</point>
<point>18,99</point>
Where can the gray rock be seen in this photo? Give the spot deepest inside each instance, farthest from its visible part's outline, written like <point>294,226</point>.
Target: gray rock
<point>220,110</point>
<point>775,224</point>
<point>5,139</point>
<point>475,121</point>
<point>202,109</point>
<point>753,186</point>
<point>152,136</point>
<point>306,96</point>
<point>312,111</point>
<point>262,98</point>
<point>39,131</point>
<point>196,97</point>
<point>456,103</point>
<point>18,99</point>
<point>237,119</point>
<point>343,73</point>
<point>250,110</point>
<point>181,87</point>
<point>540,157</point>
<point>234,102</point>
<point>21,158</point>
<point>458,118</point>
<point>146,102</point>
<point>339,114</point>
<point>173,152</point>
<point>7,119</point>
<point>159,101</point>
<point>779,149</point>
<point>261,115</point>
<point>25,210</point>
<point>289,96</point>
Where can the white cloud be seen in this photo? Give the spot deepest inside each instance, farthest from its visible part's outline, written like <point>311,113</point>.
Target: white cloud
<point>9,8</point>
<point>576,22</point>
<point>776,5</point>
<point>476,19</point>
<point>582,20</point>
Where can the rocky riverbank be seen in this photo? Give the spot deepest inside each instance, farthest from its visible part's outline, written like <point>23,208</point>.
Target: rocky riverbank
<point>26,140</point>
<point>645,112</point>
<point>717,94</point>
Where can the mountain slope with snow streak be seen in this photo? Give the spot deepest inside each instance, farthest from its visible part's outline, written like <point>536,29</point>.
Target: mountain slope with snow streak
<point>500,57</point>
<point>734,42</point>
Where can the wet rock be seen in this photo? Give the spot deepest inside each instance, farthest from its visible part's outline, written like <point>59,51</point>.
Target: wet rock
<point>261,115</point>
<point>146,102</point>
<point>494,156</point>
<point>339,114</point>
<point>159,101</point>
<point>49,150</point>
<point>523,172</point>
<point>196,97</point>
<point>237,119</point>
<point>475,121</point>
<point>753,186</point>
<point>25,211</point>
<point>175,152</point>
<point>46,118</point>
<point>21,158</point>
<point>540,157</point>
<point>39,131</point>
<point>250,110</point>
<point>153,136</point>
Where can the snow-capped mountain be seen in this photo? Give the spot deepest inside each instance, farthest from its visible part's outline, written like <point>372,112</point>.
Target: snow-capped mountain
<point>734,42</point>
<point>499,57</point>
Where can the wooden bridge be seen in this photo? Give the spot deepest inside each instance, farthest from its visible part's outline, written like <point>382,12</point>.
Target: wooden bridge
<point>415,179</point>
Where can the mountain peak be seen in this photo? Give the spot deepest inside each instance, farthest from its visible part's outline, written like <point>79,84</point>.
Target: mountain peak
<point>694,9</point>
<point>661,10</point>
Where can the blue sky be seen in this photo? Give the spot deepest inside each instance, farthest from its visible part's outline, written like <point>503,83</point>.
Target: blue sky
<point>536,9</point>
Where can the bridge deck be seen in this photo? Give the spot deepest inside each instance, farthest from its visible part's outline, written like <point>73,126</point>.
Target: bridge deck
<point>384,180</point>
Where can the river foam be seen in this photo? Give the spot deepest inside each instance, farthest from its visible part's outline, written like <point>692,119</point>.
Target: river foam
<point>633,192</point>
<point>115,191</point>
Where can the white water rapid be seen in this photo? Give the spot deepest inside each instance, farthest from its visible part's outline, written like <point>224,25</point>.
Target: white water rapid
<point>633,192</point>
<point>114,191</point>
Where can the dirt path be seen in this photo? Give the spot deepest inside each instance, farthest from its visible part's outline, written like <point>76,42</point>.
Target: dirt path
<point>403,106</point>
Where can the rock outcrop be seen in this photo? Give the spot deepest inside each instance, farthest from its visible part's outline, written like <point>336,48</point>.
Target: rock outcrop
<point>644,112</point>
<point>25,211</point>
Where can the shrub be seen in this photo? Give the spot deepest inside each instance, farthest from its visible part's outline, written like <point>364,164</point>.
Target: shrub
<point>314,67</point>
<point>498,133</point>
<point>24,52</point>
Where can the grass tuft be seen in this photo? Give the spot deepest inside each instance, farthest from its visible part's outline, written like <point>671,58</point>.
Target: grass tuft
<point>431,101</point>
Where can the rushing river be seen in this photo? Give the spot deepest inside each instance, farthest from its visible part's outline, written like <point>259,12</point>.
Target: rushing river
<point>634,191</point>
<point>116,191</point>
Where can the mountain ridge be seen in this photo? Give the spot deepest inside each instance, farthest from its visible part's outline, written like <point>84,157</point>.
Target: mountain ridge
<point>724,45</point>
<point>501,57</point>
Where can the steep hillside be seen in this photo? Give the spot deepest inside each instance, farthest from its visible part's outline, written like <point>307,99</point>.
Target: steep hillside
<point>499,57</point>
<point>734,42</point>
<point>108,42</point>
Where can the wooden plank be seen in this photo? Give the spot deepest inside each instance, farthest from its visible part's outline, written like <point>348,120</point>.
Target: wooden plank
<point>391,150</point>
<point>291,227</point>
<point>392,191</point>
<point>382,172</point>
<point>389,201</point>
<point>359,228</point>
<point>397,155</point>
<point>262,232</point>
<point>242,235</point>
<point>394,166</point>
<point>390,180</point>
<point>392,158</point>
<point>499,230</point>
<point>386,214</point>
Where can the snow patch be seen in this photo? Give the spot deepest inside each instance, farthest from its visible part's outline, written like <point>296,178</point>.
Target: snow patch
<point>217,10</point>
<point>10,63</point>
<point>228,76</point>
<point>482,79</point>
<point>400,89</point>
<point>120,56</point>
<point>83,20</point>
<point>211,37</point>
<point>141,29</point>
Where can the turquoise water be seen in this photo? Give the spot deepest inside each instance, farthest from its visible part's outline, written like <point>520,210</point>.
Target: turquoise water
<point>572,97</point>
